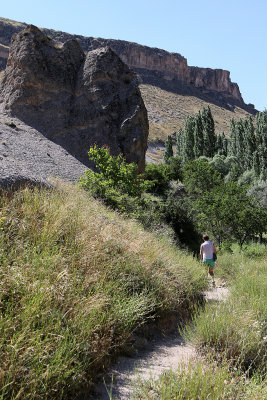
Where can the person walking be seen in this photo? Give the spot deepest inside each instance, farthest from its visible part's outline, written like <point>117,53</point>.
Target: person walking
<point>207,251</point>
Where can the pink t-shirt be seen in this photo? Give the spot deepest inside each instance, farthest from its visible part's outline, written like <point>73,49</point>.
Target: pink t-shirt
<point>207,250</point>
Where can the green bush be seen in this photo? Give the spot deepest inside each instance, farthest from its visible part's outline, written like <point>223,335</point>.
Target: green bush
<point>114,173</point>
<point>199,176</point>
<point>247,178</point>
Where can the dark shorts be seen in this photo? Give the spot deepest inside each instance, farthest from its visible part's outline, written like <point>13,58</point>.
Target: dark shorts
<point>209,263</point>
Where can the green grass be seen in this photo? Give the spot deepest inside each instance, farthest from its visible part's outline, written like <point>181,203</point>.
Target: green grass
<point>200,381</point>
<point>76,281</point>
<point>231,338</point>
<point>237,328</point>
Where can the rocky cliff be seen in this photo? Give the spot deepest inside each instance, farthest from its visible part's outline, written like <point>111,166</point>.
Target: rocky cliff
<point>73,99</point>
<point>155,66</point>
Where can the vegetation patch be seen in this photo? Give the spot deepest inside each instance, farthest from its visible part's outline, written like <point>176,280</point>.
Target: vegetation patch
<point>76,281</point>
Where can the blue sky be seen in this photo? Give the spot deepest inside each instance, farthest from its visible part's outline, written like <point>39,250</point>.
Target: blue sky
<point>227,34</point>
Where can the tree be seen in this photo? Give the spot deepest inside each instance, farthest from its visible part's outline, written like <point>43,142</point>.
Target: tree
<point>198,136</point>
<point>159,175</point>
<point>219,144</point>
<point>179,142</point>
<point>225,145</point>
<point>240,145</point>
<point>168,149</point>
<point>261,138</point>
<point>228,213</point>
<point>199,177</point>
<point>189,128</point>
<point>209,133</point>
<point>218,163</point>
<point>114,173</point>
<point>232,149</point>
<point>250,142</point>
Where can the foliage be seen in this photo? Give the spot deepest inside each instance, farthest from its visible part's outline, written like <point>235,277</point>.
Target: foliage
<point>161,174</point>
<point>219,164</point>
<point>259,191</point>
<point>168,149</point>
<point>228,213</point>
<point>177,215</point>
<point>199,177</point>
<point>247,178</point>
<point>175,168</point>
<point>113,173</point>
<point>208,133</point>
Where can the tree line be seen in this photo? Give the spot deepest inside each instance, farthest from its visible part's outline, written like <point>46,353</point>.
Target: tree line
<point>243,152</point>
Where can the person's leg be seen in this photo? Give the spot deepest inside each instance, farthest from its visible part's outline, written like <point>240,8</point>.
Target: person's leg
<point>211,272</point>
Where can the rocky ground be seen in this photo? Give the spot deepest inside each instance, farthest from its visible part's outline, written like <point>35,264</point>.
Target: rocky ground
<point>28,156</point>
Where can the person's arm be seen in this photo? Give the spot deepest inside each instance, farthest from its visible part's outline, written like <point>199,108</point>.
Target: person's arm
<point>214,249</point>
<point>201,252</point>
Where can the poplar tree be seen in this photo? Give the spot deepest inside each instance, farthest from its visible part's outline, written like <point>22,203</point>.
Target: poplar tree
<point>208,132</point>
<point>189,144</point>
<point>232,147</point>
<point>168,149</point>
<point>219,144</point>
<point>225,145</point>
<point>179,142</point>
<point>240,145</point>
<point>261,137</point>
<point>250,142</point>
<point>198,136</point>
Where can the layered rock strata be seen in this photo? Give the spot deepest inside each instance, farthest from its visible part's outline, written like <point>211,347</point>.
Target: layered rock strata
<point>72,99</point>
<point>155,66</point>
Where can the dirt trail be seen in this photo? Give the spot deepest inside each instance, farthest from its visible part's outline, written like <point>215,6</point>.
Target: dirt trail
<point>160,354</point>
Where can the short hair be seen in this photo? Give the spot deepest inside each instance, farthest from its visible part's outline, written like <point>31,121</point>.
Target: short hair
<point>205,237</point>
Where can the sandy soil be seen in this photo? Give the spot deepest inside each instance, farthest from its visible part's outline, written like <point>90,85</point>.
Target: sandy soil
<point>163,353</point>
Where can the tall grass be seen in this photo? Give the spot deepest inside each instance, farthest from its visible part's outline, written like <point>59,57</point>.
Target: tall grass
<point>232,337</point>
<point>75,281</point>
<point>200,381</point>
<point>237,329</point>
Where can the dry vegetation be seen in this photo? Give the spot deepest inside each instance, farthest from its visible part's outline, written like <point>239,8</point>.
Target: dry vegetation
<point>167,112</point>
<point>76,280</point>
<point>231,337</point>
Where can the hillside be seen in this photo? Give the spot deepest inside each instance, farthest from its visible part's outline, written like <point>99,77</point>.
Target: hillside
<point>171,89</point>
<point>167,111</point>
<point>90,280</point>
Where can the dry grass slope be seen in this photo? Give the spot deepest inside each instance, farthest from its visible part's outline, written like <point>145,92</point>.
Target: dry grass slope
<point>75,281</point>
<point>167,112</point>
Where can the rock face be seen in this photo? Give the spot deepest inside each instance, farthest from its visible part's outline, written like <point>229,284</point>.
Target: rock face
<point>171,66</point>
<point>154,66</point>
<point>72,99</point>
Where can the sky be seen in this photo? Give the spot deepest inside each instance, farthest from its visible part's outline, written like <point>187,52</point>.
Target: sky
<point>225,34</point>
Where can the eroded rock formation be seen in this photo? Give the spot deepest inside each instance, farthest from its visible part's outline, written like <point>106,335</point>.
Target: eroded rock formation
<point>154,66</point>
<point>73,99</point>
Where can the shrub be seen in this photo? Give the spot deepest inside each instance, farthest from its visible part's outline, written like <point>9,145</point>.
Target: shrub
<point>199,176</point>
<point>247,178</point>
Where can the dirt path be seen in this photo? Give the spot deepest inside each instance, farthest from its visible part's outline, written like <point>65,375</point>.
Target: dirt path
<point>160,354</point>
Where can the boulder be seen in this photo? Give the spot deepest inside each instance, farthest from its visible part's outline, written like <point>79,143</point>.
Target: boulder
<point>72,99</point>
